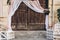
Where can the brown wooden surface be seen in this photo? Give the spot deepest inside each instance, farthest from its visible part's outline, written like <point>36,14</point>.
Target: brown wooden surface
<point>27,19</point>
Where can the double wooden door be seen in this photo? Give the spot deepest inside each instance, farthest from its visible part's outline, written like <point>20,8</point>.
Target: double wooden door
<point>27,19</point>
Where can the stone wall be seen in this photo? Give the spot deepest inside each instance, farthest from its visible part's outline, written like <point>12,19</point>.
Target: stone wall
<point>56,6</point>
<point>3,13</point>
<point>0,7</point>
<point>53,11</point>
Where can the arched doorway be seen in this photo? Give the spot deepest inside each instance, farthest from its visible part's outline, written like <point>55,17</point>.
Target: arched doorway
<point>26,19</point>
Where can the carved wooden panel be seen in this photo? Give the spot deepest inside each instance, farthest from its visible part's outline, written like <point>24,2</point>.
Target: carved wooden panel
<point>27,19</point>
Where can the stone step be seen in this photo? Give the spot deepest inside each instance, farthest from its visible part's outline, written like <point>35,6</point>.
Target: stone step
<point>30,35</point>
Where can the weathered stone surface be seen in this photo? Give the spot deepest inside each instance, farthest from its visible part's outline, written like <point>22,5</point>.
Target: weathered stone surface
<point>30,35</point>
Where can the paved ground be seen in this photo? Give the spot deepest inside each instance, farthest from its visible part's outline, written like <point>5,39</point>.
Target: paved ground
<point>30,35</point>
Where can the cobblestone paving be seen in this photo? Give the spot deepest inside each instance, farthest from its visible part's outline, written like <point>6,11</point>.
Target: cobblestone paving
<point>30,35</point>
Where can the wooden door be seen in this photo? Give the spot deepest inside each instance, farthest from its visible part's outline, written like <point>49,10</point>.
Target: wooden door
<point>27,19</point>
